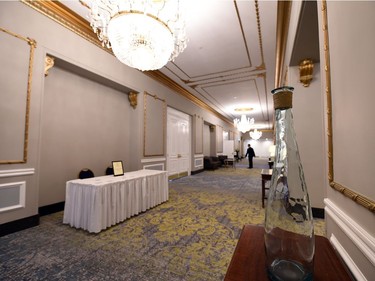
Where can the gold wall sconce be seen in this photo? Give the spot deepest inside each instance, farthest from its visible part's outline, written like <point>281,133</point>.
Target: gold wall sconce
<point>133,99</point>
<point>306,68</point>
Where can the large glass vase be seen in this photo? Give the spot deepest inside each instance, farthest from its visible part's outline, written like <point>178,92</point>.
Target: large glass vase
<point>289,230</point>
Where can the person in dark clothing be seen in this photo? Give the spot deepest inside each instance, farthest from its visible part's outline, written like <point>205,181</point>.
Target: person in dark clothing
<point>250,153</point>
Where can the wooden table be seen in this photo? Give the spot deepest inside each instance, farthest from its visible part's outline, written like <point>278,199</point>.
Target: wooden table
<point>266,176</point>
<point>249,259</point>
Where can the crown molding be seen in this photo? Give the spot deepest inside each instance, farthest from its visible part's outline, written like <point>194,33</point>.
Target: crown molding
<point>74,22</point>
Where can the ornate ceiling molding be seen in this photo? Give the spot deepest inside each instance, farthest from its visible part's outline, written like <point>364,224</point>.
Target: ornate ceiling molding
<point>72,21</point>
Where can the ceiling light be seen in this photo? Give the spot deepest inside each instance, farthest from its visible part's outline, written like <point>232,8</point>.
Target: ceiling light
<point>142,34</point>
<point>244,124</point>
<point>243,109</point>
<point>255,135</point>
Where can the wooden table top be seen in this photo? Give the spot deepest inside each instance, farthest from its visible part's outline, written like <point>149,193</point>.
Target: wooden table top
<point>248,261</point>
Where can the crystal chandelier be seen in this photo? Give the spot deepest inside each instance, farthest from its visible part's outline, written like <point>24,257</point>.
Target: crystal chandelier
<point>255,135</point>
<point>244,124</point>
<point>142,34</point>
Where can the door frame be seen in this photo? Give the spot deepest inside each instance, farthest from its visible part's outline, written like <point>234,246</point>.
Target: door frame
<point>185,117</point>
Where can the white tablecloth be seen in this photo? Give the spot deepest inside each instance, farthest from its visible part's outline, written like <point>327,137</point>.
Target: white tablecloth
<point>97,203</point>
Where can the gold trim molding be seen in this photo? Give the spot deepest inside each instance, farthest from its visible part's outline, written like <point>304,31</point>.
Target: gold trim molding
<point>72,21</point>
<point>32,44</point>
<point>145,94</point>
<point>166,81</point>
<point>356,197</point>
<point>282,27</point>
<point>67,18</point>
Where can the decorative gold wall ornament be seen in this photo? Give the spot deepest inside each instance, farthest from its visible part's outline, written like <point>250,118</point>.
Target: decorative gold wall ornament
<point>49,62</point>
<point>32,44</point>
<point>356,197</point>
<point>133,99</point>
<point>306,68</point>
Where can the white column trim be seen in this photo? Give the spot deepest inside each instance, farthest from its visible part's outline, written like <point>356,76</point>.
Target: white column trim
<point>150,160</point>
<point>21,198</point>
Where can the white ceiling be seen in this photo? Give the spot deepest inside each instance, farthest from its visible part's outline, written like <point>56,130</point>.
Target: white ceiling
<point>229,61</point>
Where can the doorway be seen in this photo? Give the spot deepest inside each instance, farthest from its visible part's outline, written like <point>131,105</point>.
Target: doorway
<point>178,144</point>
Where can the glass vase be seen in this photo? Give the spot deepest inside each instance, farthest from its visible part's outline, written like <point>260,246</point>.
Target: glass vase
<point>289,229</point>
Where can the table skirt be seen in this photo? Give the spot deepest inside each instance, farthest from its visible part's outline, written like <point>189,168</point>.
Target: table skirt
<point>98,203</point>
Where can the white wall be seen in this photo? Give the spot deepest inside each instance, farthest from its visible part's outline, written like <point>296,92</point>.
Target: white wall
<point>261,147</point>
<point>206,140</point>
<point>308,117</point>
<point>228,148</point>
<point>350,226</point>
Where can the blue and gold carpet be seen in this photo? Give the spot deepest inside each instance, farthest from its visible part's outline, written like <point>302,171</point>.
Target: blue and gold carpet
<point>190,237</point>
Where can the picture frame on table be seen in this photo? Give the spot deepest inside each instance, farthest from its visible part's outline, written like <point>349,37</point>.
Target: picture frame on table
<point>118,168</point>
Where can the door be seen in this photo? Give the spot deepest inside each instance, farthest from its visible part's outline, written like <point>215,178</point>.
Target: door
<point>178,144</point>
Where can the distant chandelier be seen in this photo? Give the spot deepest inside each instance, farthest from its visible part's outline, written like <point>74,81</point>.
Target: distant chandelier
<point>142,34</point>
<point>255,135</point>
<point>244,124</point>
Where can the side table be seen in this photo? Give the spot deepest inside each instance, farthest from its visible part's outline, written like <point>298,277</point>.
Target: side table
<point>249,259</point>
<point>266,176</point>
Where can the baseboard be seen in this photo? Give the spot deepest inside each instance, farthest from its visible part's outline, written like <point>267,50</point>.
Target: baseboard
<point>318,213</point>
<point>362,239</point>
<point>18,225</point>
<point>353,270</point>
<point>197,171</point>
<point>50,209</point>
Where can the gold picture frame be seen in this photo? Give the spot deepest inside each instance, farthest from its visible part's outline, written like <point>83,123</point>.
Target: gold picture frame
<point>118,168</point>
<point>346,191</point>
<point>32,43</point>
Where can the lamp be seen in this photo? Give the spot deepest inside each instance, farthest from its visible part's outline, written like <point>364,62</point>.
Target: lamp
<point>142,34</point>
<point>244,124</point>
<point>255,135</point>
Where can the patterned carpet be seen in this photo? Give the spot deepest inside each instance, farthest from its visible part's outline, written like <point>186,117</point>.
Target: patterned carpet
<point>190,237</point>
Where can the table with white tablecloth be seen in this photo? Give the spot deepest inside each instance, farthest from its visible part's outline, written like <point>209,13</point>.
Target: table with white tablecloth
<point>97,203</point>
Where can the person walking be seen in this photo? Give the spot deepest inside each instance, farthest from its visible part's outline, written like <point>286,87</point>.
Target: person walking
<point>250,153</point>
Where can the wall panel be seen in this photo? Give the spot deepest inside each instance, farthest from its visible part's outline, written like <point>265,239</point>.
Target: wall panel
<point>84,125</point>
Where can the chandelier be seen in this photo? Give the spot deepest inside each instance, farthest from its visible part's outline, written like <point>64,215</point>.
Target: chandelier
<point>255,135</point>
<point>142,34</point>
<point>244,124</point>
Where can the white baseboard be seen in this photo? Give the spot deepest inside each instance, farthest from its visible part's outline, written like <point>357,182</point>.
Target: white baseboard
<point>347,259</point>
<point>363,240</point>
